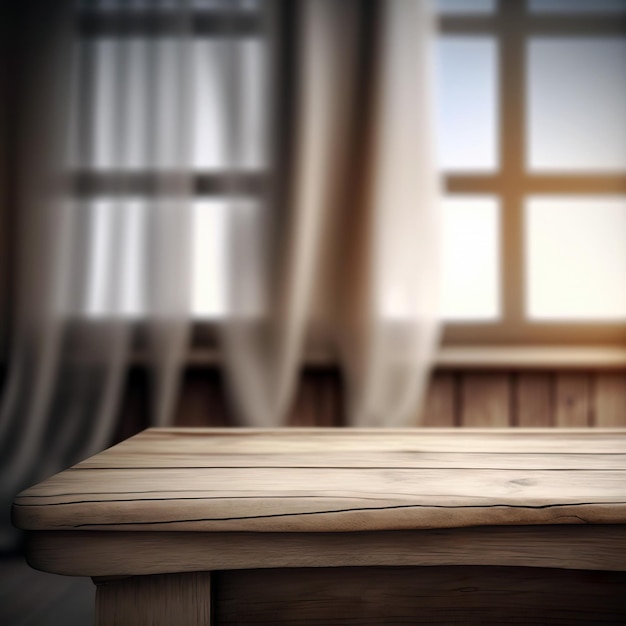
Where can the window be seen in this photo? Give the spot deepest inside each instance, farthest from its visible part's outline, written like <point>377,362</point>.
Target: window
<point>532,143</point>
<point>533,148</point>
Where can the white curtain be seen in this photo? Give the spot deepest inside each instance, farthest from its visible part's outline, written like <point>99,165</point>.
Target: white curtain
<point>308,123</point>
<point>347,236</point>
<point>102,197</point>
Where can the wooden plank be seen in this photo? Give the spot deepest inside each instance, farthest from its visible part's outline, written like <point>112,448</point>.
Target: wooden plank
<point>159,600</point>
<point>317,401</point>
<point>438,409</point>
<point>193,402</point>
<point>303,410</point>
<point>318,499</point>
<point>159,444</point>
<point>352,486</point>
<point>201,401</point>
<point>533,400</point>
<point>610,400</point>
<point>572,400</point>
<point>436,595</point>
<point>485,400</point>
<point>531,358</point>
<point>356,459</point>
<point>94,553</point>
<point>330,400</point>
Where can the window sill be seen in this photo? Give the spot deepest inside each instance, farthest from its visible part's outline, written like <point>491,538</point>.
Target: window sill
<point>486,357</point>
<point>532,357</point>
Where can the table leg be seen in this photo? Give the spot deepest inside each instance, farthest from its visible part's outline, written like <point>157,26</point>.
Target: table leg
<point>159,600</point>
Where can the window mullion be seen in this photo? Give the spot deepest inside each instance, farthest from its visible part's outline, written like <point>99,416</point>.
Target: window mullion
<point>512,149</point>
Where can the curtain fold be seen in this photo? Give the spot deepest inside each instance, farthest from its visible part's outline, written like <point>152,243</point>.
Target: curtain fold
<point>94,265</point>
<point>349,227</point>
<point>304,127</point>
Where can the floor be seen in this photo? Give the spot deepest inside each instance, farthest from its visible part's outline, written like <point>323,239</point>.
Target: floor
<point>32,598</point>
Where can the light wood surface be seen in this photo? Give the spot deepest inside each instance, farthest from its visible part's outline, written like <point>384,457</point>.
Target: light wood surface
<point>269,503</point>
<point>318,480</point>
<point>95,553</point>
<point>183,599</point>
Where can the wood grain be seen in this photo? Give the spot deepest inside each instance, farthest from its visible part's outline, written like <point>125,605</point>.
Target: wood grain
<point>95,553</point>
<point>610,400</point>
<point>324,480</point>
<point>485,400</point>
<point>533,399</point>
<point>572,404</point>
<point>160,600</point>
<point>319,399</point>
<point>438,410</point>
<point>433,595</point>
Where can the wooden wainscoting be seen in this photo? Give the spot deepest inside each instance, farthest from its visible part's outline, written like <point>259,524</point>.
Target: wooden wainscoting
<point>455,398</point>
<point>527,399</point>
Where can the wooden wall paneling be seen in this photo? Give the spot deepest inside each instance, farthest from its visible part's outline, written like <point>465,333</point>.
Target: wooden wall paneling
<point>318,400</point>
<point>303,412</point>
<point>329,402</point>
<point>477,399</point>
<point>201,400</point>
<point>533,405</point>
<point>572,400</point>
<point>610,399</point>
<point>438,409</point>
<point>485,400</point>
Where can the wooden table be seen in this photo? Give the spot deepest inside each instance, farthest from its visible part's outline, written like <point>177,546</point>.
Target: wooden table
<point>180,526</point>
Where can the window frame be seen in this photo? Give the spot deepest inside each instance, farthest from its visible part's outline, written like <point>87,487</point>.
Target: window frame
<point>512,24</point>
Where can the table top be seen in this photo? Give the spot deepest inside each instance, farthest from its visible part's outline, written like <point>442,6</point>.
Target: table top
<point>336,480</point>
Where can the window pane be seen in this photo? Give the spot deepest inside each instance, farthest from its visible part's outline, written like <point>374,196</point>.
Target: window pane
<point>471,259</point>
<point>102,151</point>
<point>467,103</point>
<point>209,233</point>
<point>118,116</point>
<point>118,103</point>
<point>578,6</point>
<point>114,281</point>
<point>99,258</point>
<point>466,7</point>
<point>211,59</point>
<point>576,255</point>
<point>576,104</point>
<point>227,259</point>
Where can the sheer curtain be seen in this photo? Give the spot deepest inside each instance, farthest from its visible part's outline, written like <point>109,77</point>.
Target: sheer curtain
<point>304,126</point>
<point>347,238</point>
<point>104,122</point>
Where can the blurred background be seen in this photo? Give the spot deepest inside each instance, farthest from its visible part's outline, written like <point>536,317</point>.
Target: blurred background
<point>306,213</point>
